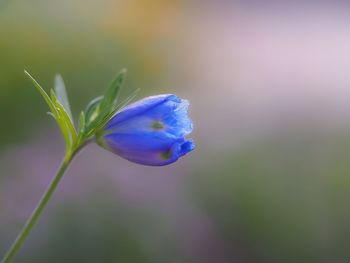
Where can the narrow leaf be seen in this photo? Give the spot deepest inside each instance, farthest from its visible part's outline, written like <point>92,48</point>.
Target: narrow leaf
<point>111,94</point>
<point>61,122</point>
<point>82,127</point>
<point>81,123</point>
<point>92,109</point>
<point>51,114</point>
<point>43,93</point>
<point>61,94</point>
<point>64,121</point>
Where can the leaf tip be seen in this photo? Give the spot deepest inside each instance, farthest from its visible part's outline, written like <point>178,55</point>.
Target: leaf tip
<point>58,77</point>
<point>26,72</point>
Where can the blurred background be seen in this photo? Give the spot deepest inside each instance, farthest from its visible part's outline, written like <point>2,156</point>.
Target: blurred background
<point>269,87</point>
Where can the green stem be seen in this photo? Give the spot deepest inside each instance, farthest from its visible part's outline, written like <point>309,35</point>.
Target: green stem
<point>38,210</point>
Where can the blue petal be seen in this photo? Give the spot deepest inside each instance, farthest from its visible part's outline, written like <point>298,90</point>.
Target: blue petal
<point>138,107</point>
<point>157,157</point>
<point>186,147</point>
<point>174,116</point>
<point>141,141</point>
<point>151,131</point>
<point>169,110</point>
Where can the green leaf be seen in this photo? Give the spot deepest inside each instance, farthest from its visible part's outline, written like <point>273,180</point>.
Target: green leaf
<point>81,123</point>
<point>100,110</point>
<point>92,109</point>
<point>51,114</point>
<point>61,94</point>
<point>110,97</point>
<point>61,122</point>
<point>43,93</point>
<point>64,121</point>
<point>82,127</point>
<point>57,112</point>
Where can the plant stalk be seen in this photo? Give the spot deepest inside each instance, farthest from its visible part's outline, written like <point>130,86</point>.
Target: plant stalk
<point>12,251</point>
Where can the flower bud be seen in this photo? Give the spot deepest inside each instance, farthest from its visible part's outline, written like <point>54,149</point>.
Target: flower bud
<point>150,131</point>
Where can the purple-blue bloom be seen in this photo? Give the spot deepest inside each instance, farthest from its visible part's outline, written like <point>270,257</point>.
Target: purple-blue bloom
<point>151,131</point>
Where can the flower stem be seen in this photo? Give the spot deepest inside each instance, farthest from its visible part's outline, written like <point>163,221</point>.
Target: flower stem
<point>37,211</point>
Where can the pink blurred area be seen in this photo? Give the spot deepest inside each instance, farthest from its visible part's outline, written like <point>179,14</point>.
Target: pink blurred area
<point>259,70</point>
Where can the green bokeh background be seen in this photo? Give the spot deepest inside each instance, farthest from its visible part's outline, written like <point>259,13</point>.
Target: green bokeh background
<point>269,180</point>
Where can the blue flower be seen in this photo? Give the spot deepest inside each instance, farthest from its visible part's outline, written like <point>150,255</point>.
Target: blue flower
<point>150,131</point>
